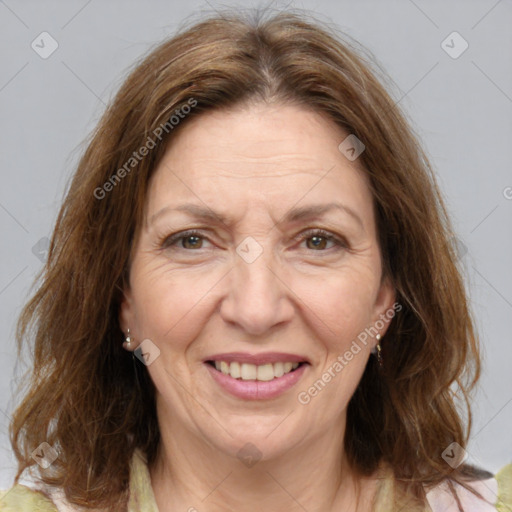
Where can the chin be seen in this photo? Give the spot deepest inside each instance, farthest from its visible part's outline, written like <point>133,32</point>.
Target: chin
<point>263,438</point>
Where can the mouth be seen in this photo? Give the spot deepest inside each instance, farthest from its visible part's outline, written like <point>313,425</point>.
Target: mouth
<point>253,372</point>
<point>261,379</point>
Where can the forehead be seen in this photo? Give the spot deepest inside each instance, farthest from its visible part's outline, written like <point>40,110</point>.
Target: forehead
<point>274,155</point>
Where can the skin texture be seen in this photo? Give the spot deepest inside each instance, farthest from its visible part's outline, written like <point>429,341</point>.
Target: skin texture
<point>197,297</point>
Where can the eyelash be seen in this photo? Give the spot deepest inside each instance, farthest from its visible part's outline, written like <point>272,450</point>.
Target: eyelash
<point>167,241</point>
<point>339,242</point>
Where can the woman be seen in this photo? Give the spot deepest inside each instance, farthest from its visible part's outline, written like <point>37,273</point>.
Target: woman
<point>254,218</point>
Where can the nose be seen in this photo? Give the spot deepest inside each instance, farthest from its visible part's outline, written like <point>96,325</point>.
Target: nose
<point>258,298</point>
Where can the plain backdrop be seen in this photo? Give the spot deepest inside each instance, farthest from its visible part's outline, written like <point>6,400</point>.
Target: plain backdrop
<point>459,101</point>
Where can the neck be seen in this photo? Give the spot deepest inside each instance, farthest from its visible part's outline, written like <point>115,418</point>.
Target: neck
<point>190,474</point>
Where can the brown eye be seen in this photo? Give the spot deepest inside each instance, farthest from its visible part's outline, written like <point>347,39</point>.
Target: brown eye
<point>191,242</point>
<point>317,242</point>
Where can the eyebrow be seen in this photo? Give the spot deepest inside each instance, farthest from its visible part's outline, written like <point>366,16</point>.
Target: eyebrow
<point>193,210</point>
<point>294,215</point>
<point>313,211</point>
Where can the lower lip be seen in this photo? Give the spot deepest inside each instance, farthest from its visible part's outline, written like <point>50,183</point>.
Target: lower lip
<point>256,389</point>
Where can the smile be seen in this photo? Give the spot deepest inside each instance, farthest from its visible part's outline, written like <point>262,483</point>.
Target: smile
<point>247,371</point>
<point>255,382</point>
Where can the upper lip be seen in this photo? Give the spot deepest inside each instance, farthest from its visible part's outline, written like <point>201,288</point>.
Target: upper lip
<point>258,359</point>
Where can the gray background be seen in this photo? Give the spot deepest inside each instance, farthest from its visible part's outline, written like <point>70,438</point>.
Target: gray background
<point>461,108</point>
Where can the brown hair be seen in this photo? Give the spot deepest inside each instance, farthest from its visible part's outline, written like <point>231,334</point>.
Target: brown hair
<point>88,399</point>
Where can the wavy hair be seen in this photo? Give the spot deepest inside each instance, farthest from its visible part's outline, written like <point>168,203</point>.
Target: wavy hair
<point>87,398</point>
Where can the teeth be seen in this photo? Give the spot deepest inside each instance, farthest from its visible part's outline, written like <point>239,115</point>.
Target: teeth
<point>235,370</point>
<point>278,369</point>
<point>248,371</point>
<point>263,372</point>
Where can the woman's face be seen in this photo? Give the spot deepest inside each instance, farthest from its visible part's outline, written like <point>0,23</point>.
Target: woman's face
<point>256,282</point>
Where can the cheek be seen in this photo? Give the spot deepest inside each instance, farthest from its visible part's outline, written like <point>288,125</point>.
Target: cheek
<point>338,316</point>
<point>340,305</point>
<point>170,305</point>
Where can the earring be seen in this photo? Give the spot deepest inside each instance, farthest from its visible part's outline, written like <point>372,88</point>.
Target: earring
<point>378,351</point>
<point>128,340</point>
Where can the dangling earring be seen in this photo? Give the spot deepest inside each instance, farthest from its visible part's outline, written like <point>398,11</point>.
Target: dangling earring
<point>128,340</point>
<point>378,351</point>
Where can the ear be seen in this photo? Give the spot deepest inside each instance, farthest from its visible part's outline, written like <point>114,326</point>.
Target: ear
<point>385,306</point>
<point>127,312</point>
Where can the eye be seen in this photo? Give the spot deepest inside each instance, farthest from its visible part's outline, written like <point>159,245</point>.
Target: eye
<point>190,240</point>
<point>317,240</point>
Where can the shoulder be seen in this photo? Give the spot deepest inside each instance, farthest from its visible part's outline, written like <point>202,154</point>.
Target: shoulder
<point>448,496</point>
<point>504,479</point>
<point>21,498</point>
<point>496,492</point>
<point>41,498</point>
